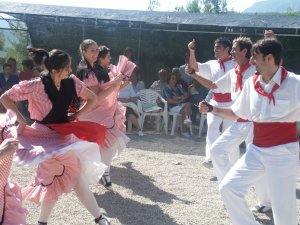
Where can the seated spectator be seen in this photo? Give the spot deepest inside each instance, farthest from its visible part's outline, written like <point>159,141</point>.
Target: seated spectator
<point>13,62</point>
<point>183,76</point>
<point>129,99</point>
<point>197,93</point>
<point>185,86</point>
<point>7,78</point>
<point>177,100</point>
<point>136,83</point>
<point>26,73</point>
<point>160,84</point>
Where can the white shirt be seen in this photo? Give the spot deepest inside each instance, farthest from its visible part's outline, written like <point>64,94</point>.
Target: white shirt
<point>255,107</point>
<point>227,83</point>
<point>127,92</point>
<point>212,70</point>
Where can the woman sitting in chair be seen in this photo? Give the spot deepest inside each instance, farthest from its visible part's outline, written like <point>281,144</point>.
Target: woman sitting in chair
<point>178,100</point>
<point>129,99</point>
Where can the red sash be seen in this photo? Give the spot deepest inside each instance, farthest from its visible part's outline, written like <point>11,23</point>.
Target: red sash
<point>258,88</point>
<point>274,133</point>
<point>84,130</point>
<point>239,70</point>
<point>219,97</point>
<point>222,63</point>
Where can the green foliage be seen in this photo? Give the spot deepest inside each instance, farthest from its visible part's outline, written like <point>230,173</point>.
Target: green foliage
<point>179,9</point>
<point>18,45</point>
<point>193,6</point>
<point>2,40</point>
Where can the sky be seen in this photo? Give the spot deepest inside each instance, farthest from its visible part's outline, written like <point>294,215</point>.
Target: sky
<point>165,5</point>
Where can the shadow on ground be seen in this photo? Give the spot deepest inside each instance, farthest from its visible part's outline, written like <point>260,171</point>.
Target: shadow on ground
<point>141,184</point>
<point>118,207</point>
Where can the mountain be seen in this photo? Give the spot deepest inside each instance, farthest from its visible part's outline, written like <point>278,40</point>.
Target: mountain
<point>268,6</point>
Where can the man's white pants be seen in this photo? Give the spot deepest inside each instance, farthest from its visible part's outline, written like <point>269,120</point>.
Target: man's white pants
<point>213,127</point>
<point>225,150</point>
<point>279,166</point>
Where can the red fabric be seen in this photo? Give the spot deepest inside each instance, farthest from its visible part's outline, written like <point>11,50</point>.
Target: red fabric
<point>239,70</point>
<point>274,133</point>
<point>242,120</point>
<point>25,75</point>
<point>219,97</point>
<point>222,63</point>
<point>84,130</point>
<point>270,95</point>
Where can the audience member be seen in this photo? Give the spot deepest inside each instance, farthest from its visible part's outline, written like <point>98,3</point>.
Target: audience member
<point>26,73</point>
<point>177,100</point>
<point>136,83</point>
<point>197,94</point>
<point>160,84</point>
<point>129,99</point>
<point>183,76</point>
<point>185,86</point>
<point>7,78</point>
<point>13,62</point>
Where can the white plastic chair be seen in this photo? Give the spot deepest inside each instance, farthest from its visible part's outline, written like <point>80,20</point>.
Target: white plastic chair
<point>202,120</point>
<point>177,118</point>
<point>136,110</point>
<point>148,107</point>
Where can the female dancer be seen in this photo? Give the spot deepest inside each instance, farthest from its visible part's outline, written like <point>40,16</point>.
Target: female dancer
<point>61,165</point>
<point>12,212</point>
<point>108,111</point>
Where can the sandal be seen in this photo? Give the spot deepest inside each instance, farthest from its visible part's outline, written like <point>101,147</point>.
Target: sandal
<point>105,180</point>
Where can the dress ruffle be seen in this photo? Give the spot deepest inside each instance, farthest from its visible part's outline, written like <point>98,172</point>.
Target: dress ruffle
<point>54,177</point>
<point>15,214</point>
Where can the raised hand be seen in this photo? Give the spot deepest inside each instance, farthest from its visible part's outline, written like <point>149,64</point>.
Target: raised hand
<point>192,45</point>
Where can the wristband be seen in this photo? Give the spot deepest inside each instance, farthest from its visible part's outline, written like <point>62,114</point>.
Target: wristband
<point>210,107</point>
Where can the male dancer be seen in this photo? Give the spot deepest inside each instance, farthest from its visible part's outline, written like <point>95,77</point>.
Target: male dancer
<point>225,150</point>
<point>213,70</point>
<point>272,101</point>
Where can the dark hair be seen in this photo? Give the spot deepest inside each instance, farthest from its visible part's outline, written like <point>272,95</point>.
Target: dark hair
<point>244,43</point>
<point>12,59</point>
<point>6,65</point>
<point>129,50</point>
<point>28,63</point>
<point>103,51</point>
<point>225,42</point>
<point>269,46</point>
<point>54,60</point>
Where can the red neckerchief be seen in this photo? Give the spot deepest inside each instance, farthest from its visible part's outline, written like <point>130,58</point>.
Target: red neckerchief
<point>222,63</point>
<point>239,70</point>
<point>261,91</point>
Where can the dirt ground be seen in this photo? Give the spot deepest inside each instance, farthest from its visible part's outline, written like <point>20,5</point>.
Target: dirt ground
<point>157,180</point>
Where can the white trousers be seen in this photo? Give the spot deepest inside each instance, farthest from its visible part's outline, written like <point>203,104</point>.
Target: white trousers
<point>279,166</point>
<point>213,128</point>
<point>225,150</point>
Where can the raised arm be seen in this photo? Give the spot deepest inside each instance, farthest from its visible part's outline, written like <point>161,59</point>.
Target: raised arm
<point>192,60</point>
<point>10,104</point>
<point>195,75</point>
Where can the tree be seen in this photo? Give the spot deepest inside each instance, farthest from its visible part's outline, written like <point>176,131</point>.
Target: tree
<point>153,5</point>
<point>18,45</point>
<point>193,6</point>
<point>205,6</point>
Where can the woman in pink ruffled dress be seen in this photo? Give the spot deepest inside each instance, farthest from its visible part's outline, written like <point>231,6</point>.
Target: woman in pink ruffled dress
<point>93,70</point>
<point>11,210</point>
<point>65,163</point>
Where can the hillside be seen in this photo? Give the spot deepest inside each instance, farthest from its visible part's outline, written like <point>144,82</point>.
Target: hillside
<point>268,6</point>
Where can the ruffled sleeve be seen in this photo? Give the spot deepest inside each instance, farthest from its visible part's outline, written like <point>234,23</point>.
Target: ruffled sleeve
<point>79,85</point>
<point>22,91</point>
